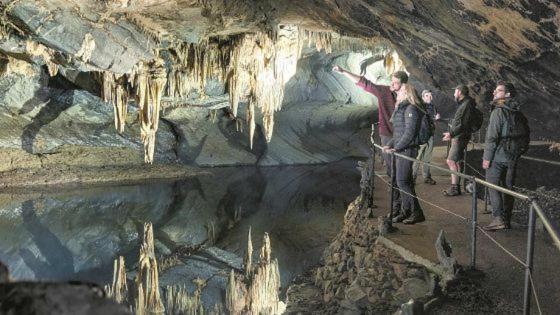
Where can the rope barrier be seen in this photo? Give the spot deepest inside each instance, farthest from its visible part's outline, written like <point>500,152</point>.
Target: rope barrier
<point>459,216</point>
<point>516,187</point>
<point>502,247</point>
<point>425,201</point>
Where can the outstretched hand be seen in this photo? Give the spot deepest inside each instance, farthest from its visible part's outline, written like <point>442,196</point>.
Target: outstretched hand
<point>337,69</point>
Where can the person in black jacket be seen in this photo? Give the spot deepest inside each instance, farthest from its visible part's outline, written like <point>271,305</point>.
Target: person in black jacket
<point>459,135</point>
<point>499,159</point>
<point>406,121</point>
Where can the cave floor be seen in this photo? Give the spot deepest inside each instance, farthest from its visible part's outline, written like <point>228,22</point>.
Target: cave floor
<point>503,275</point>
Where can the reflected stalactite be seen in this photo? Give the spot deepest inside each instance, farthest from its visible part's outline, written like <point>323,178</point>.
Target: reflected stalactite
<point>118,290</point>
<point>147,279</point>
<point>256,292</point>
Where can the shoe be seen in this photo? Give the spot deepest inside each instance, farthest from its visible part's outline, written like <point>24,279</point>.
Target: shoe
<point>453,190</point>
<point>429,180</point>
<point>417,216</point>
<point>401,216</point>
<point>496,224</point>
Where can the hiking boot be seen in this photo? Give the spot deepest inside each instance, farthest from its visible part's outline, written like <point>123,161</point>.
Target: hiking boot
<point>454,190</point>
<point>429,180</point>
<point>417,216</point>
<point>496,224</point>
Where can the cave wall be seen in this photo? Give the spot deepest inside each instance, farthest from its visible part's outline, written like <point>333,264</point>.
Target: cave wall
<point>442,43</point>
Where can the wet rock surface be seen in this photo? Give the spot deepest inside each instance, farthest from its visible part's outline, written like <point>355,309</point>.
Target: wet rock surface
<point>76,234</point>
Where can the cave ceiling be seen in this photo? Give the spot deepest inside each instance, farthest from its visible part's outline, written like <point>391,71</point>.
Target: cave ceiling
<point>442,42</point>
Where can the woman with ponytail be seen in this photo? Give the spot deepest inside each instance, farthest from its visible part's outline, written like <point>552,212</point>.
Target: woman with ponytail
<point>406,121</point>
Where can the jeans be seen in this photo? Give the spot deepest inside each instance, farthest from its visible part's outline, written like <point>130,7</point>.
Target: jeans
<point>502,174</point>
<point>409,201</point>
<point>424,155</point>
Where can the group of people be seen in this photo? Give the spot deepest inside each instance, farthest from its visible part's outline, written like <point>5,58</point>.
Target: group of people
<point>400,118</point>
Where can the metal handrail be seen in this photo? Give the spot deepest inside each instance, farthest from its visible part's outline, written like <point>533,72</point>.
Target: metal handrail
<point>534,209</point>
<point>546,222</point>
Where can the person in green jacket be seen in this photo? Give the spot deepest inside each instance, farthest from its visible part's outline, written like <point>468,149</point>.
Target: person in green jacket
<point>501,153</point>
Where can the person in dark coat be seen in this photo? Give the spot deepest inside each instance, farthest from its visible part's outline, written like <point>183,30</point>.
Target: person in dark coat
<point>459,135</point>
<point>406,121</point>
<point>499,163</point>
<point>426,150</point>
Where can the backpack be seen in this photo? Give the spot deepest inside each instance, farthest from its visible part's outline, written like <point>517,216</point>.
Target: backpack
<point>517,134</point>
<point>476,119</point>
<point>427,128</point>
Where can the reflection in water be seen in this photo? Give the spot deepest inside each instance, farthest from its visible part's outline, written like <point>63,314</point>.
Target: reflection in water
<point>76,234</point>
<point>58,261</point>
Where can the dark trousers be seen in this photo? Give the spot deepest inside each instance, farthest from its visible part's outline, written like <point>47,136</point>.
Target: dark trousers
<point>502,174</point>
<point>386,157</point>
<point>409,201</point>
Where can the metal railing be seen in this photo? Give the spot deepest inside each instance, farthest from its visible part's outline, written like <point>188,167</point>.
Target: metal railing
<point>534,211</point>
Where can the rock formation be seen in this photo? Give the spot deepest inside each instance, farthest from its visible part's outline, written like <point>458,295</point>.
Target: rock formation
<point>256,291</point>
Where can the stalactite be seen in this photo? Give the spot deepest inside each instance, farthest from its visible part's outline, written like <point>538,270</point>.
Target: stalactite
<point>118,290</point>
<point>87,48</point>
<point>148,27</point>
<point>149,90</point>
<point>113,90</point>
<point>251,122</point>
<point>120,105</point>
<point>393,63</point>
<point>194,64</point>
<point>147,278</point>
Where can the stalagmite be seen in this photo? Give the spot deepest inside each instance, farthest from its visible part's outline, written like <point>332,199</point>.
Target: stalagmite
<point>147,278</point>
<point>118,290</point>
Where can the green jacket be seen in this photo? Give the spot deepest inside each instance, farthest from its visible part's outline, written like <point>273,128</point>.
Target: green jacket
<point>493,148</point>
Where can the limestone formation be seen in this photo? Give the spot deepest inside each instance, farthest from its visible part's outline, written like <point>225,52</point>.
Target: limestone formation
<point>118,290</point>
<point>148,297</point>
<point>256,291</point>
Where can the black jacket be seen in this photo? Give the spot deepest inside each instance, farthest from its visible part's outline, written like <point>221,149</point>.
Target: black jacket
<point>406,121</point>
<point>493,148</point>
<point>460,126</point>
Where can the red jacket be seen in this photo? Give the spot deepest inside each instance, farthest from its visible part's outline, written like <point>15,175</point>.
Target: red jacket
<point>386,102</point>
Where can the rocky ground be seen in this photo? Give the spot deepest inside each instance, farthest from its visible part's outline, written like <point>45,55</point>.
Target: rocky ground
<point>360,275</point>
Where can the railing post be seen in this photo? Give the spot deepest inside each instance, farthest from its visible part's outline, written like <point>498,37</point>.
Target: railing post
<point>393,180</point>
<point>529,262</point>
<point>485,199</point>
<point>473,224</point>
<point>372,179</point>
<point>463,170</point>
